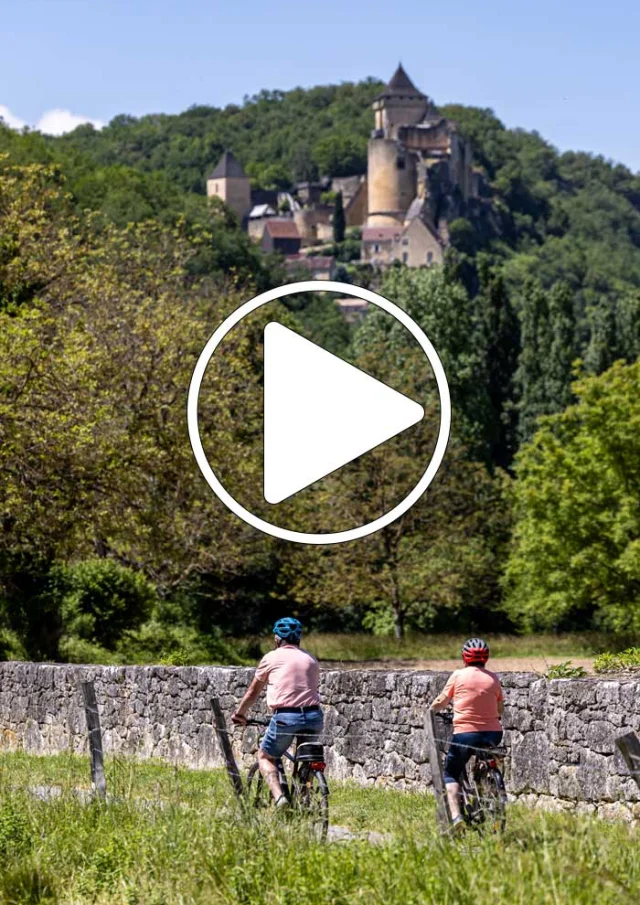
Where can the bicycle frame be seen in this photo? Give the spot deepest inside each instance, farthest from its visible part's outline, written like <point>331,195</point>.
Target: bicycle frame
<point>298,765</point>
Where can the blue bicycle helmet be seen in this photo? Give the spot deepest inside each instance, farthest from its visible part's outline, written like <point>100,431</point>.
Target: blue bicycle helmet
<point>288,629</point>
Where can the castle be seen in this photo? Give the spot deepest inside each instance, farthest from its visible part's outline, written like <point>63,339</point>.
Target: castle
<point>419,178</point>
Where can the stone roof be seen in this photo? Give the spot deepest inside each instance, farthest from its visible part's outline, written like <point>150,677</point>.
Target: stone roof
<point>400,85</point>
<point>228,168</point>
<point>261,210</point>
<point>381,233</point>
<point>414,210</point>
<point>279,228</point>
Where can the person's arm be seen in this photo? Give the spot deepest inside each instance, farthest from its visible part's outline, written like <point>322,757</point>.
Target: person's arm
<point>443,700</point>
<point>252,694</point>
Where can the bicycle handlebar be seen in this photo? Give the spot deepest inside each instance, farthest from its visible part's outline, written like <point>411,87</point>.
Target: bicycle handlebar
<point>445,717</point>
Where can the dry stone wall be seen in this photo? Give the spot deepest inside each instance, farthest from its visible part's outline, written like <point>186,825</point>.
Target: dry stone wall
<point>560,733</point>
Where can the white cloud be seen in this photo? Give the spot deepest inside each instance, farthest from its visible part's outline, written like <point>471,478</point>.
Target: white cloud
<point>58,121</point>
<point>10,118</point>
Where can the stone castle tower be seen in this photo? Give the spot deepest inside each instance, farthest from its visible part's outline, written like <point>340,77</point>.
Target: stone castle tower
<point>229,182</point>
<point>418,163</point>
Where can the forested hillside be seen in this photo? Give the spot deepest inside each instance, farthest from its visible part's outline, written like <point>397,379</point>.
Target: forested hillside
<point>573,216</point>
<point>111,228</point>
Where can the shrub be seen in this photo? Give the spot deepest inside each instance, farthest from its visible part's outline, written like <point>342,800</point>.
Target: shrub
<point>565,670</point>
<point>626,659</point>
<point>102,599</point>
<point>11,648</point>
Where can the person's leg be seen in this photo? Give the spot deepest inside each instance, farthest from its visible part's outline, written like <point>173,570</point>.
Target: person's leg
<point>277,739</point>
<point>457,757</point>
<point>453,797</point>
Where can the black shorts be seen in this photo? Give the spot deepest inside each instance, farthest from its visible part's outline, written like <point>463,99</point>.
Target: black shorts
<point>461,749</point>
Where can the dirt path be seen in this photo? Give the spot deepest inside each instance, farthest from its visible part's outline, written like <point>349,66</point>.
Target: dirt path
<point>498,664</point>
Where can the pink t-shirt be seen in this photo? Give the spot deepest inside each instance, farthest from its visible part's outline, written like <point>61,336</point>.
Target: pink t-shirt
<point>475,693</point>
<point>292,675</point>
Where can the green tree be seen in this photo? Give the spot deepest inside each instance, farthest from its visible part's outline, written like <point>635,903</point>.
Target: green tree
<point>339,222</point>
<point>575,555</point>
<point>340,154</point>
<point>446,313</point>
<point>500,330</point>
<point>548,352</point>
<point>98,339</point>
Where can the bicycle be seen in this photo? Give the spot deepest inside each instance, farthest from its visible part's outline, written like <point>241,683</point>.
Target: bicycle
<point>306,791</point>
<point>483,793</point>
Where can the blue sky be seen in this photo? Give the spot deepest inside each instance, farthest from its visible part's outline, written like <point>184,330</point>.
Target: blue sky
<point>568,69</point>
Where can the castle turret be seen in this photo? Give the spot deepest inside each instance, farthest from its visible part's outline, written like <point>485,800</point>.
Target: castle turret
<point>400,104</point>
<point>391,182</point>
<point>391,169</point>
<point>229,182</point>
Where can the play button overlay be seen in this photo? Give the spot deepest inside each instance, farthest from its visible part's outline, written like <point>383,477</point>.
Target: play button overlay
<point>320,413</point>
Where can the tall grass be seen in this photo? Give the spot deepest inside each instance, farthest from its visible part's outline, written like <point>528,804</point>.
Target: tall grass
<point>179,837</point>
<point>344,648</point>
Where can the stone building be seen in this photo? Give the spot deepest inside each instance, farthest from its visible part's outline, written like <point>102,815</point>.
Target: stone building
<point>281,235</point>
<point>419,167</point>
<point>378,243</point>
<point>419,178</point>
<point>229,182</point>
<point>417,245</point>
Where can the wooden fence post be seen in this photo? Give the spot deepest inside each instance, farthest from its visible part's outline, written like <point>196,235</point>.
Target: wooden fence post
<point>437,777</point>
<point>629,747</point>
<point>225,746</point>
<point>95,739</point>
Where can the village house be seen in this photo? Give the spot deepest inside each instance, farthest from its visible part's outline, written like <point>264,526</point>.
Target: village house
<point>419,178</point>
<point>280,235</point>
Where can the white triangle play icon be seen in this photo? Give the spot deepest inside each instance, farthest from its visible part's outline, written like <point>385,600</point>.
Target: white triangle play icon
<point>320,413</point>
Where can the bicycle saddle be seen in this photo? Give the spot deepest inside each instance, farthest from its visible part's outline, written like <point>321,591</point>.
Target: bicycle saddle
<point>310,751</point>
<point>490,753</point>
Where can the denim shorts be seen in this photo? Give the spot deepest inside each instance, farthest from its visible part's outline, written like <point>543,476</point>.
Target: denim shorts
<point>461,749</point>
<point>285,726</point>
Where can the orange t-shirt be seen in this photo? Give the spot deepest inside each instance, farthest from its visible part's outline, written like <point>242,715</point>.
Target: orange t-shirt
<point>293,677</point>
<point>476,693</point>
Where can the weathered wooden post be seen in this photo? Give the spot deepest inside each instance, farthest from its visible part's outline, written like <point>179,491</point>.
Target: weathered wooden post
<point>98,780</point>
<point>629,746</point>
<point>220,725</point>
<point>437,777</point>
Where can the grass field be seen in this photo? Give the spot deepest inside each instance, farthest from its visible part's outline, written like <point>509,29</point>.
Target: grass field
<point>361,648</point>
<point>177,837</point>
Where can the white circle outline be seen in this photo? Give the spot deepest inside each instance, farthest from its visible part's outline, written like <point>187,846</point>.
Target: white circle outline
<point>301,537</point>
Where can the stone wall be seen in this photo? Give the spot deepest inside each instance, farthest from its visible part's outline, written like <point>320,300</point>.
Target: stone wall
<point>560,733</point>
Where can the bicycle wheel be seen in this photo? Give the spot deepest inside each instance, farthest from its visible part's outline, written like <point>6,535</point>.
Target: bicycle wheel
<point>258,792</point>
<point>311,799</point>
<point>493,799</point>
<point>471,807</point>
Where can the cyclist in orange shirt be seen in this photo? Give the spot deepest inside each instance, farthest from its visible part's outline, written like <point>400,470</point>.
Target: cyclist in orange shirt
<point>478,704</point>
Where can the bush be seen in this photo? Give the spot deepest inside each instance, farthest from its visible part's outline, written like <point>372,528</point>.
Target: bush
<point>11,648</point>
<point>102,599</point>
<point>176,646</point>
<point>565,670</point>
<point>625,660</point>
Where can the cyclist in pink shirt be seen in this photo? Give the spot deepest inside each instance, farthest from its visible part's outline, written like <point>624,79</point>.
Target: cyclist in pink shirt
<point>478,705</point>
<point>291,677</point>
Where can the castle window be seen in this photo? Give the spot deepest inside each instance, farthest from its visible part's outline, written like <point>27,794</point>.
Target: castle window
<point>405,257</point>
<point>405,241</point>
<point>216,189</point>
<point>400,163</point>
<point>429,257</point>
<point>376,248</point>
